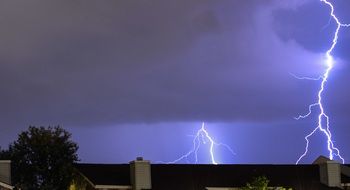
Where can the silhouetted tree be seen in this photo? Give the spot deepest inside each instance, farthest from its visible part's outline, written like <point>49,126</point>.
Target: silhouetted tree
<point>43,158</point>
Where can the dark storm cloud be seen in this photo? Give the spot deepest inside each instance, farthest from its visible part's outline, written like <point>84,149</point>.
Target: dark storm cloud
<point>93,62</point>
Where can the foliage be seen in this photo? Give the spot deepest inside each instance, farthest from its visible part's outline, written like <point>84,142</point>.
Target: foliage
<point>261,183</point>
<point>258,183</point>
<point>43,158</point>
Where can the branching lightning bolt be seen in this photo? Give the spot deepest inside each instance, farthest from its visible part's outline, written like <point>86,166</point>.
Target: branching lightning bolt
<point>202,137</point>
<point>323,117</point>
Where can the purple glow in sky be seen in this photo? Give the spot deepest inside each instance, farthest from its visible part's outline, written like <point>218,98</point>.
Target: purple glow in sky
<point>323,117</point>
<point>135,78</point>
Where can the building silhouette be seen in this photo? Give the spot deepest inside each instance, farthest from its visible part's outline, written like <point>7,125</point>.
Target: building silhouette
<point>140,174</point>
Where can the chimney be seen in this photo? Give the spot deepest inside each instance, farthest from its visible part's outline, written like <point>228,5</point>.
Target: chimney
<point>5,171</point>
<point>140,171</point>
<point>330,174</point>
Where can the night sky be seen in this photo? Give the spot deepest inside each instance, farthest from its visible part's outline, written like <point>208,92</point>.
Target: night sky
<point>137,77</point>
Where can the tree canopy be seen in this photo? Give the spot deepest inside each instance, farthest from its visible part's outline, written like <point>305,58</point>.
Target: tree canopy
<point>43,158</point>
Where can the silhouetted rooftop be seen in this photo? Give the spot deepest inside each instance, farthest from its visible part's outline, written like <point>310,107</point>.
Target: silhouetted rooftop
<point>197,177</point>
<point>106,174</point>
<point>201,176</point>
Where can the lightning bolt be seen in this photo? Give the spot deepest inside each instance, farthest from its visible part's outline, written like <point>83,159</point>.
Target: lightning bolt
<point>323,118</point>
<point>202,137</point>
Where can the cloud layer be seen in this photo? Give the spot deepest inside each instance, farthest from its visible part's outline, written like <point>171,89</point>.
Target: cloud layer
<point>88,63</point>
